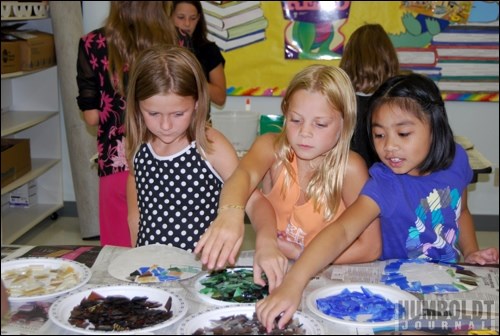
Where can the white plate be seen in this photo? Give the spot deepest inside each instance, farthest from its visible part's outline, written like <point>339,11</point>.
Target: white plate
<point>409,301</point>
<point>60,310</point>
<point>83,272</point>
<point>207,298</point>
<point>146,256</point>
<point>204,318</point>
<point>420,276</point>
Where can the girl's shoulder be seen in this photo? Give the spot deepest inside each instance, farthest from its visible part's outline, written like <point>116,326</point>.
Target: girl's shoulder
<point>219,143</point>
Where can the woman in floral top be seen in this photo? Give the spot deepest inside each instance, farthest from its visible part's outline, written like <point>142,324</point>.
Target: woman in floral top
<point>104,58</point>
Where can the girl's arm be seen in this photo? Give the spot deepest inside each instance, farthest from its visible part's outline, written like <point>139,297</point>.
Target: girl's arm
<point>368,246</point>
<point>217,85</point>
<point>324,248</point>
<point>91,117</point>
<point>267,258</point>
<point>223,238</point>
<point>467,240</point>
<point>133,208</point>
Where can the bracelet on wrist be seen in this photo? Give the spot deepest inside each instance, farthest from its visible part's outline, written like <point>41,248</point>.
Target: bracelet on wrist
<point>231,206</point>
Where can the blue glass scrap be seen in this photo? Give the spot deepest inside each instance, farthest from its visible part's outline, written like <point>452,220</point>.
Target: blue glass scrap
<point>349,305</point>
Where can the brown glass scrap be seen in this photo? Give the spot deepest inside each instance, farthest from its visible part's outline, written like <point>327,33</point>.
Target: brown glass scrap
<point>118,313</point>
<point>242,325</point>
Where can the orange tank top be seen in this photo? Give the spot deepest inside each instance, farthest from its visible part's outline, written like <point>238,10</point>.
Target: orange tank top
<point>300,222</point>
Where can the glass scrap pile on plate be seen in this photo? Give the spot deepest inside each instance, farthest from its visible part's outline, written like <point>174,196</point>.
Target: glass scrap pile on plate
<point>353,304</point>
<point>229,320</point>
<point>34,279</point>
<point>363,305</point>
<point>64,311</point>
<point>230,286</point>
<point>154,264</point>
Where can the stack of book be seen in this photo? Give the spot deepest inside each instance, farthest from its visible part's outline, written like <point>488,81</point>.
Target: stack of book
<point>234,24</point>
<point>419,60</point>
<point>468,58</point>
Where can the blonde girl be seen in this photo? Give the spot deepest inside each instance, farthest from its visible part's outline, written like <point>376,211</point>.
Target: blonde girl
<point>307,172</point>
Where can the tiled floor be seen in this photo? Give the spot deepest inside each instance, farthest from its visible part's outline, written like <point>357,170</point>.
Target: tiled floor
<point>66,230</point>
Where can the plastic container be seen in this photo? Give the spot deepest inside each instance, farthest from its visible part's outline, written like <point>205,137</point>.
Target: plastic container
<point>271,123</point>
<point>240,127</point>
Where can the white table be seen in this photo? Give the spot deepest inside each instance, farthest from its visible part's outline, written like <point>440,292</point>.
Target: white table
<point>488,289</point>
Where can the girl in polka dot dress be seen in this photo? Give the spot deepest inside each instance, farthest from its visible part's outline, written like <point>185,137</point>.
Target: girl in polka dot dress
<point>178,162</point>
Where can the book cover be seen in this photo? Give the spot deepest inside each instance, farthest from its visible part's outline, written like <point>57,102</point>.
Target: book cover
<point>484,69</point>
<point>240,30</point>
<point>234,20</point>
<point>467,34</point>
<point>468,86</point>
<point>227,45</point>
<point>467,52</point>
<point>409,57</point>
<point>226,8</point>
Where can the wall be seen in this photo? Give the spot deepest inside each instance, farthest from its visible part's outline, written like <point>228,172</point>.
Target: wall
<point>477,121</point>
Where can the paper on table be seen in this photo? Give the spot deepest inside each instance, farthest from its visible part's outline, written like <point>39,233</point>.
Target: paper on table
<point>371,272</point>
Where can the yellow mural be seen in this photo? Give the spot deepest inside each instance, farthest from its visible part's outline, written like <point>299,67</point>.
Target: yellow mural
<point>261,68</point>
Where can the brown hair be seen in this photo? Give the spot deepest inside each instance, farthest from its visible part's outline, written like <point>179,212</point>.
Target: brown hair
<point>164,70</point>
<point>369,58</point>
<point>131,27</point>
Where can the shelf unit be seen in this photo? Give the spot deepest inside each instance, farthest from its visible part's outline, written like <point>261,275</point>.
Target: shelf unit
<point>30,109</point>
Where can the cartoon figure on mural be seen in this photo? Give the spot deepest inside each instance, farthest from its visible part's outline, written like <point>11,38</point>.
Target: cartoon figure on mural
<point>314,30</point>
<point>419,31</point>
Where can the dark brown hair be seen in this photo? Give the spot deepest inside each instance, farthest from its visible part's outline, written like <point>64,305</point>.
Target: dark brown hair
<point>369,58</point>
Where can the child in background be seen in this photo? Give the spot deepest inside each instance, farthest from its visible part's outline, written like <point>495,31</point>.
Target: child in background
<point>177,162</point>
<point>419,192</point>
<point>104,58</point>
<point>369,58</point>
<point>307,172</point>
<point>189,18</point>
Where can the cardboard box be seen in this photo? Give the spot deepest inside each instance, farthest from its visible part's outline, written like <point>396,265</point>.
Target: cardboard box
<point>24,196</point>
<point>16,159</point>
<point>37,49</point>
<point>11,54</point>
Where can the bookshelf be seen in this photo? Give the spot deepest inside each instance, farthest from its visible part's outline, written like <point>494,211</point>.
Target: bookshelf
<point>30,109</point>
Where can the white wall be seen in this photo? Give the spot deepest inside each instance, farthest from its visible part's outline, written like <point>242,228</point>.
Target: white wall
<point>477,121</point>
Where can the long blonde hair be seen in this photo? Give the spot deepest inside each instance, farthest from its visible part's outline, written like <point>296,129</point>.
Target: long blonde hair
<point>162,70</point>
<point>131,27</point>
<point>325,186</point>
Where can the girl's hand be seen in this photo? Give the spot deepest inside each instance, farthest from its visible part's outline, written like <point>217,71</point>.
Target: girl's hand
<point>482,257</point>
<point>222,241</point>
<point>273,263</point>
<point>283,301</point>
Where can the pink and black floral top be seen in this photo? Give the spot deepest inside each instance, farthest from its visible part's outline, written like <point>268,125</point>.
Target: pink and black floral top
<point>97,92</point>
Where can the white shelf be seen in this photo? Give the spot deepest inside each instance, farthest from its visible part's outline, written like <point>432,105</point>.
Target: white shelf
<point>30,110</point>
<point>38,168</point>
<point>23,73</point>
<point>23,219</point>
<point>16,121</point>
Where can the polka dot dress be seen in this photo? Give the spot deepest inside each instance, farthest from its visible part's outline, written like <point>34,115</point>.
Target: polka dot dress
<point>178,196</point>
